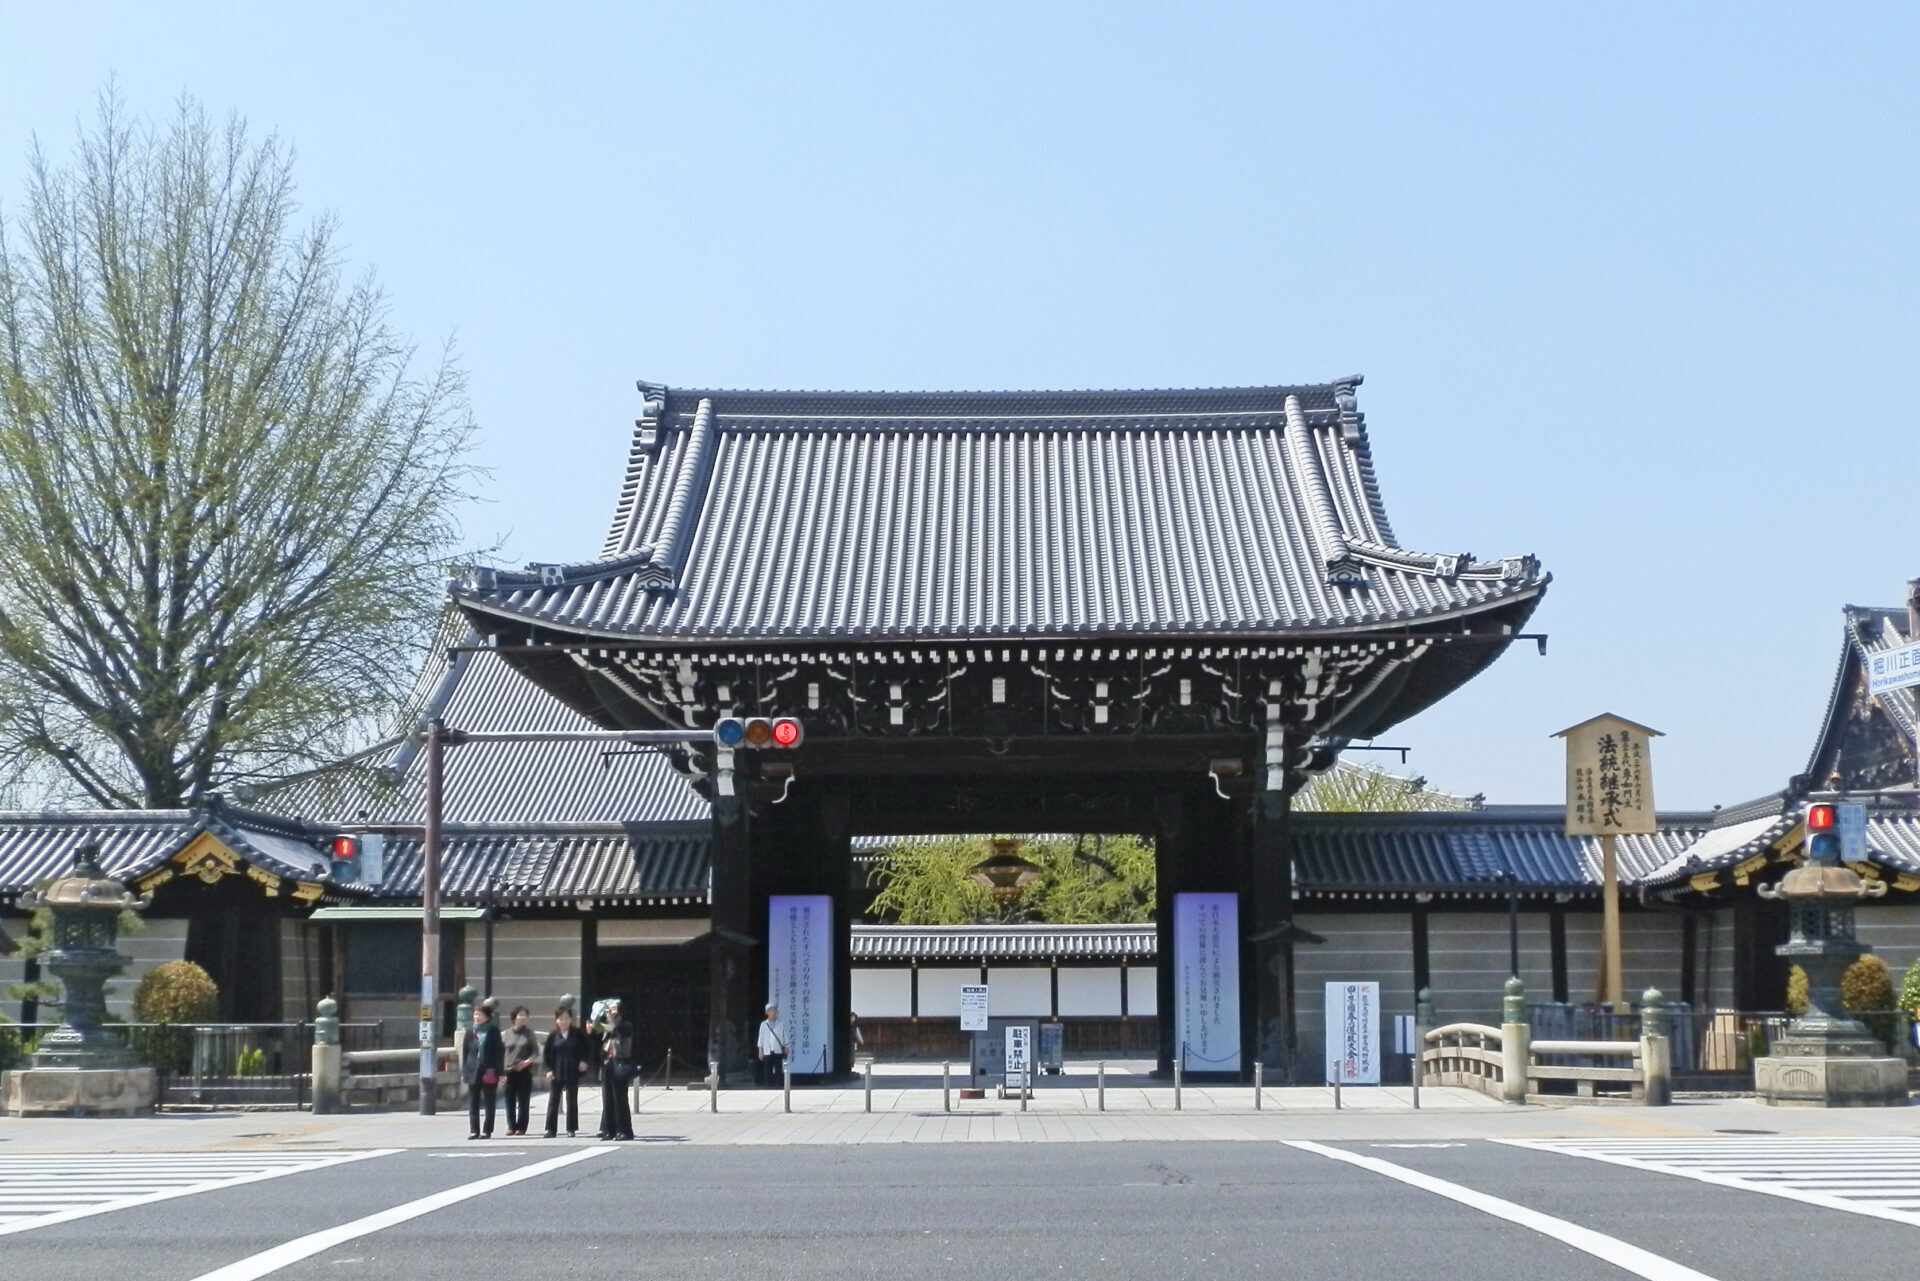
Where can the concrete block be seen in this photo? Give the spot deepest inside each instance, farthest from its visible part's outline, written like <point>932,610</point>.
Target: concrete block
<point>1831,1082</point>
<point>80,1092</point>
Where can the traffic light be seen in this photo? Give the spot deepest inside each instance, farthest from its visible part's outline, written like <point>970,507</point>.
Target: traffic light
<point>759,731</point>
<point>346,849</point>
<point>1823,835</point>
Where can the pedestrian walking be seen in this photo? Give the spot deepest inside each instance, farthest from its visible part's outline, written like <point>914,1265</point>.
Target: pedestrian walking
<point>771,1048</point>
<point>616,1073</point>
<point>521,1049</point>
<point>482,1055</point>
<point>566,1058</point>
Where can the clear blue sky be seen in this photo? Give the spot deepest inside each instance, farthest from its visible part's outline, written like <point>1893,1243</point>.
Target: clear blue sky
<point>1633,287</point>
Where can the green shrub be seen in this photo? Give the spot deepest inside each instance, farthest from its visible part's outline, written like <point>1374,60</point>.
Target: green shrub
<point>1866,989</point>
<point>178,992</point>
<point>1910,991</point>
<point>12,1053</point>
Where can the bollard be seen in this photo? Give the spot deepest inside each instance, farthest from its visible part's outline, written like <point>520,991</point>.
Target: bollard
<point>946,1087</point>
<point>868,1068</point>
<point>1336,1089</point>
<point>1103,1085</point>
<point>1026,1085</point>
<point>326,1058</point>
<point>786,1085</point>
<point>1418,1069</point>
<point>713,1085</point>
<point>1516,1057</point>
<point>1177,1065</point>
<point>1259,1079</point>
<point>1656,1049</point>
<point>668,1083</point>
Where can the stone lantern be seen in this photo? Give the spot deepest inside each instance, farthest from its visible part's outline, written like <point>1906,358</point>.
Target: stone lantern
<point>1827,1059</point>
<point>81,1069</point>
<point>1004,874</point>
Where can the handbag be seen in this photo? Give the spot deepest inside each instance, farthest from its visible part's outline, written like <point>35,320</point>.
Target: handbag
<point>625,1070</point>
<point>489,1077</point>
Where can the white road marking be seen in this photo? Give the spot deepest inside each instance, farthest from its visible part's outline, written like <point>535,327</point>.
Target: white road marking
<point>1642,1263</point>
<point>1877,1177</point>
<point>40,1191</point>
<point>259,1265</point>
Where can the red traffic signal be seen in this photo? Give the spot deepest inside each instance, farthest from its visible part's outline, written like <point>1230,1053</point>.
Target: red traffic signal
<point>1820,818</point>
<point>758,731</point>
<point>346,849</point>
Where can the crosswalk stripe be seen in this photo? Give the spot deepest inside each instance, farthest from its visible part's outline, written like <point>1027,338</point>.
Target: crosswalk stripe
<point>1878,1177</point>
<point>39,1191</point>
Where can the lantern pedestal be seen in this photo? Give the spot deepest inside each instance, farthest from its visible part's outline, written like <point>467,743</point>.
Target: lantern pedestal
<point>53,1091</point>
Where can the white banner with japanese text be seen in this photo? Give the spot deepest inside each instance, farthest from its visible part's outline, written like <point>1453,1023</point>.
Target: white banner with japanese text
<point>800,976</point>
<point>1353,1033</point>
<point>1206,981</point>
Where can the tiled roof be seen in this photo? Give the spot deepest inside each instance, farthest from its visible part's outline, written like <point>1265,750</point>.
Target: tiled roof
<point>493,782</point>
<point>35,846</point>
<point>1230,512</point>
<point>1470,851</point>
<point>1893,842</point>
<point>960,943</point>
<point>1874,631</point>
<point>558,864</point>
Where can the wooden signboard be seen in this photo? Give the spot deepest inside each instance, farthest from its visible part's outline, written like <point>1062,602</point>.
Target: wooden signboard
<point>1609,794</point>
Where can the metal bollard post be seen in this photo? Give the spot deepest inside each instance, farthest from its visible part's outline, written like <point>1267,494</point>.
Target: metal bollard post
<point>1259,1080</point>
<point>1103,1085</point>
<point>713,1085</point>
<point>869,1072</point>
<point>946,1087</point>
<point>786,1084</point>
<point>1177,1065</point>
<point>1026,1085</point>
<point>1336,1090</point>
<point>1417,1069</point>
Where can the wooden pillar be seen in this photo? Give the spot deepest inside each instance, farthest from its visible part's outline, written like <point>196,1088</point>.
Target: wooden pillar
<point>734,943</point>
<point>1169,823</point>
<point>1274,1038</point>
<point>1611,984</point>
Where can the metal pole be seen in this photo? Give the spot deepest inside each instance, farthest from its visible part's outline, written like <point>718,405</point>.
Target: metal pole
<point>1418,1068</point>
<point>1513,924</point>
<point>1259,1080</point>
<point>1336,1089</point>
<point>1103,1085</point>
<point>668,1083</point>
<point>946,1087</point>
<point>486,985</point>
<point>786,1084</point>
<point>430,921</point>
<point>1026,1085</point>
<point>1178,1064</point>
<point>869,1075</point>
<point>713,1085</point>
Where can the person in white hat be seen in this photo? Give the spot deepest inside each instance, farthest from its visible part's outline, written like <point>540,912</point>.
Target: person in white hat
<point>771,1048</point>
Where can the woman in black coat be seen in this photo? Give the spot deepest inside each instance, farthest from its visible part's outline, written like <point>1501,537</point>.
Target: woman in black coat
<point>616,1072</point>
<point>566,1058</point>
<point>482,1056</point>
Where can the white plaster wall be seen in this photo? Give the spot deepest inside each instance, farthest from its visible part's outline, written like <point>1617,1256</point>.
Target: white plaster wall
<point>535,963</point>
<point>1143,991</point>
<point>940,990</point>
<point>882,993</point>
<point>1089,993</point>
<point>1014,990</point>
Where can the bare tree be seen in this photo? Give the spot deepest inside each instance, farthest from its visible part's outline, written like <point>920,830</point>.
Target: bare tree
<point>226,497</point>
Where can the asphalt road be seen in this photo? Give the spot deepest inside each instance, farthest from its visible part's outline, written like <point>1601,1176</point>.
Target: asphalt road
<point>1098,1211</point>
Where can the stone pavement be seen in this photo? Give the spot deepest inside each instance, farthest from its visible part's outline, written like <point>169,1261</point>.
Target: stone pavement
<point>906,1108</point>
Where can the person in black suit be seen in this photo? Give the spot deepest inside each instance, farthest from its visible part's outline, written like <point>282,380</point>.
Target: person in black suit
<point>566,1058</point>
<point>482,1056</point>
<point>616,1072</point>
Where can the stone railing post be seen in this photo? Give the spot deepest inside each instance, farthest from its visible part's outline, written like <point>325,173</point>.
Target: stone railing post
<point>1516,1051</point>
<point>326,1057</point>
<point>1656,1049</point>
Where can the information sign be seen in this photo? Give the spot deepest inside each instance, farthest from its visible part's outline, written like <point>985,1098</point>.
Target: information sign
<point>1893,669</point>
<point>973,1008</point>
<point>1206,968</point>
<point>1850,818</point>
<point>1353,1033</point>
<point>800,976</point>
<point>1019,1052</point>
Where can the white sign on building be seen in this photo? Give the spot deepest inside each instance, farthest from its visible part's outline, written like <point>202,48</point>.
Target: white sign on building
<point>973,1007</point>
<point>800,976</point>
<point>1206,981</point>
<point>1893,669</point>
<point>1353,1033</point>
